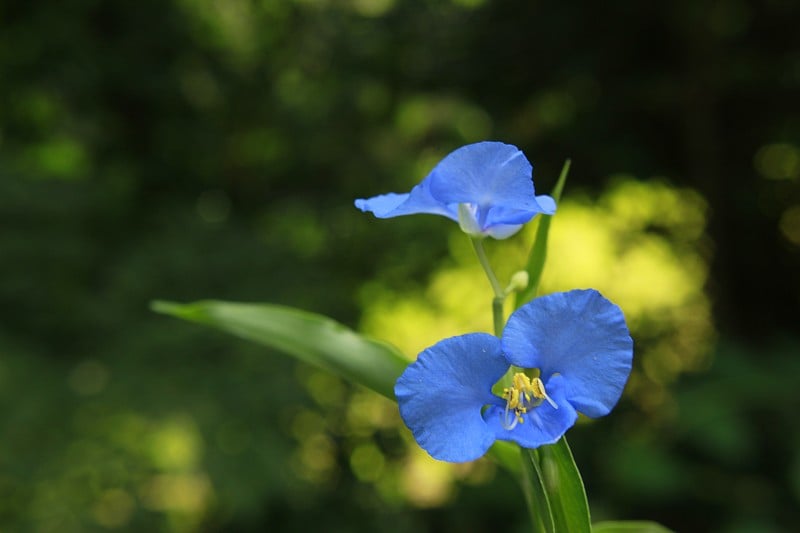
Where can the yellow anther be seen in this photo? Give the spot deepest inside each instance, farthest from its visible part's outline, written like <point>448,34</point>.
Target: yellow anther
<point>538,391</point>
<point>523,394</point>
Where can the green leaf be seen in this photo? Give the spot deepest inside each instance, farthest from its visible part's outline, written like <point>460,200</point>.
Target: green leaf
<point>629,527</point>
<point>317,340</point>
<point>538,254</point>
<point>312,338</point>
<point>536,493</point>
<point>564,487</point>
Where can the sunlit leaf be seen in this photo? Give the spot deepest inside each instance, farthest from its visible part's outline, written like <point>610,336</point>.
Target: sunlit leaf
<point>564,487</point>
<point>536,493</point>
<point>312,338</point>
<point>317,340</point>
<point>629,527</point>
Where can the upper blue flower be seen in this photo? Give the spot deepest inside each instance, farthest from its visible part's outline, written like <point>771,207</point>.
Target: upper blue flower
<point>486,187</point>
<point>578,342</point>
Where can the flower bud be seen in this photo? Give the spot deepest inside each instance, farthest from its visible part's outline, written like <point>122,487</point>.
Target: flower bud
<point>519,281</point>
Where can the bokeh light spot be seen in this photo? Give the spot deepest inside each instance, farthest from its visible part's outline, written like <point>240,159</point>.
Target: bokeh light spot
<point>176,492</point>
<point>113,509</point>
<point>372,8</point>
<point>790,224</point>
<point>88,377</point>
<point>59,158</point>
<point>176,444</point>
<point>367,462</point>
<point>426,481</point>
<point>422,114</point>
<point>779,161</point>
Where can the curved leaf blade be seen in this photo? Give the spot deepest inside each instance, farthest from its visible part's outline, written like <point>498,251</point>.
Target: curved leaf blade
<point>629,527</point>
<point>565,490</point>
<point>535,493</point>
<point>316,340</point>
<point>312,338</point>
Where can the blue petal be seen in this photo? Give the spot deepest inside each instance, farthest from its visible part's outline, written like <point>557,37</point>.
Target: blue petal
<point>503,231</point>
<point>580,335</point>
<point>381,205</point>
<point>542,425</point>
<point>418,201</point>
<point>502,222</point>
<point>497,215</point>
<point>486,174</point>
<point>546,204</point>
<point>441,395</point>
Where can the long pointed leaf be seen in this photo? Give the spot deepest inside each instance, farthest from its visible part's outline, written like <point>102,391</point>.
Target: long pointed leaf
<point>565,489</point>
<point>536,493</point>
<point>629,527</point>
<point>312,338</point>
<point>317,340</point>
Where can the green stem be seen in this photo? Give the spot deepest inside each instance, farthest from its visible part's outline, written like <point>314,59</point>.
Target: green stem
<point>497,315</point>
<point>499,293</point>
<point>533,486</point>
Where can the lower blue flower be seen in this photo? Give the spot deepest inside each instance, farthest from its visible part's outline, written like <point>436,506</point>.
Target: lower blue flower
<point>568,352</point>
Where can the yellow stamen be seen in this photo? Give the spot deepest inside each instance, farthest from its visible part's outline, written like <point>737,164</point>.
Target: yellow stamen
<point>539,392</point>
<point>523,394</point>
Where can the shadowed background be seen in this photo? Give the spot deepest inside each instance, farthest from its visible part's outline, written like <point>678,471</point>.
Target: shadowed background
<point>191,149</point>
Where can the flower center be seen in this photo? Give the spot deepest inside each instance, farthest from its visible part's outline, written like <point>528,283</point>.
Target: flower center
<point>523,394</point>
<point>468,219</point>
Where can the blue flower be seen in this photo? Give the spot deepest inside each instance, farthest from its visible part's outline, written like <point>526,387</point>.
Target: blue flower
<point>577,340</point>
<point>486,187</point>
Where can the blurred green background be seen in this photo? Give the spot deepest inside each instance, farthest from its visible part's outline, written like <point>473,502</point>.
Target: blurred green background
<point>189,149</point>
